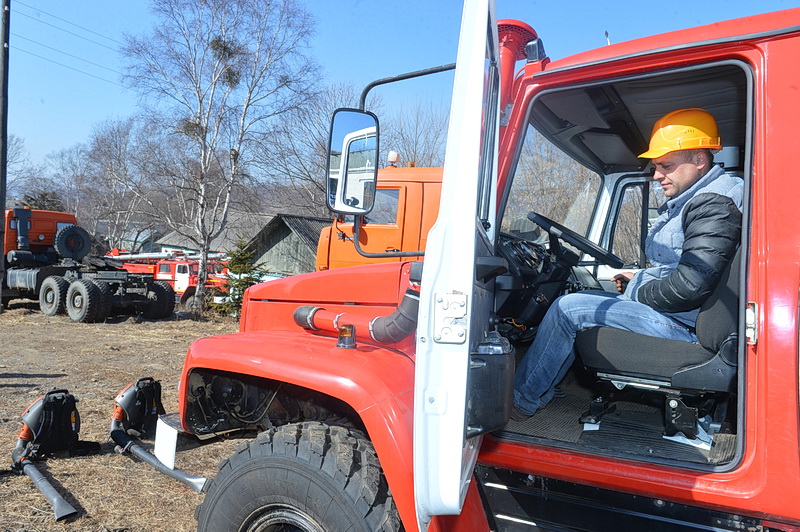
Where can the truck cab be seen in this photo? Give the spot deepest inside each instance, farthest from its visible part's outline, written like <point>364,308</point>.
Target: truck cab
<point>406,205</point>
<point>543,194</point>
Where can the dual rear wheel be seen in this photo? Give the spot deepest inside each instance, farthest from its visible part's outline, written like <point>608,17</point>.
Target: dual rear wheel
<point>83,300</point>
<point>89,301</point>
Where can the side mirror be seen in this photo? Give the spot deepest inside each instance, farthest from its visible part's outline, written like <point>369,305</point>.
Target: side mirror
<point>352,161</point>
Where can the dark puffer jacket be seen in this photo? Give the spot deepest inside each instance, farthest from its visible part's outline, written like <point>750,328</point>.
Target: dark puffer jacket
<point>689,246</point>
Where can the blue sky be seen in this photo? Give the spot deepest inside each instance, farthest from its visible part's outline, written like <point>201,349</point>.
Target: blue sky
<point>64,70</point>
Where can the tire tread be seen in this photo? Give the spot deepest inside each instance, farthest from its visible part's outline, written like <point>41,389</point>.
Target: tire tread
<point>342,455</point>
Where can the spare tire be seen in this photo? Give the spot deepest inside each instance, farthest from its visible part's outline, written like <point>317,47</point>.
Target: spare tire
<point>72,242</point>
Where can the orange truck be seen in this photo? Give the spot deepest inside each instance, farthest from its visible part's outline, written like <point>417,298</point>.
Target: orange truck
<point>381,394</point>
<point>406,204</point>
<point>47,259</point>
<point>177,269</point>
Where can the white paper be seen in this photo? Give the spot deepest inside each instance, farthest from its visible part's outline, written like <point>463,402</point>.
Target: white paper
<point>166,443</point>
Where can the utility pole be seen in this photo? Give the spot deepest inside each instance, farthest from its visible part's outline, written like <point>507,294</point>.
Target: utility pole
<point>5,20</point>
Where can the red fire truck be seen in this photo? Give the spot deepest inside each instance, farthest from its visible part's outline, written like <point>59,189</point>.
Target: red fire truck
<point>382,393</point>
<point>176,268</point>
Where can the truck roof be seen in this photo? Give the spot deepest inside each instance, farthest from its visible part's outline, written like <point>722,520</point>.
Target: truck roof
<point>418,174</point>
<point>746,27</point>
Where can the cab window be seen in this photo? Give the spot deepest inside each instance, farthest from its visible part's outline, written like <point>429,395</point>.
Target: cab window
<point>385,209</point>
<point>552,184</point>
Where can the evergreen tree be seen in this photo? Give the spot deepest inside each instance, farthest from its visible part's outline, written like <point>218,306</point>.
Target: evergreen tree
<point>242,274</point>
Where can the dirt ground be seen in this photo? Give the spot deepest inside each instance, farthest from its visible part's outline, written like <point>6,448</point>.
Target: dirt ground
<point>112,492</point>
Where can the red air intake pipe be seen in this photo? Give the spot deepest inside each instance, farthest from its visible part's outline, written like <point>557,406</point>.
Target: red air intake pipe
<point>513,36</point>
<point>382,329</point>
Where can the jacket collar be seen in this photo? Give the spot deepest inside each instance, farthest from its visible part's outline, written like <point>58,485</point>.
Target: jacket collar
<point>678,202</point>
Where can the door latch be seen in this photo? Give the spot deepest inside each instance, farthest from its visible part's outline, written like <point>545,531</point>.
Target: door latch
<point>449,318</point>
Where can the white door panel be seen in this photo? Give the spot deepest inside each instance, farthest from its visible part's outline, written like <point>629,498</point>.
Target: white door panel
<point>454,306</point>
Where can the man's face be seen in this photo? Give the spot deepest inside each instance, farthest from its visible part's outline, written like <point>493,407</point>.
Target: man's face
<point>678,170</point>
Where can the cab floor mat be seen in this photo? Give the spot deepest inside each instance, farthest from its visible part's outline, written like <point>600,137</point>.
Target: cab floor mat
<point>559,419</point>
<point>634,429</point>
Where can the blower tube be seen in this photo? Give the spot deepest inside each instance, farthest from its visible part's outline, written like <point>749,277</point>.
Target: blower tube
<point>127,444</point>
<point>61,508</point>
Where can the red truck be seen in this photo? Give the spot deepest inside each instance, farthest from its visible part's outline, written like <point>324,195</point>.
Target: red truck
<point>381,394</point>
<point>177,269</point>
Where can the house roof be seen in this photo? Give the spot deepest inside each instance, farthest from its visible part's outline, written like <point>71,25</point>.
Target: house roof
<point>248,225</point>
<point>245,225</point>
<point>305,227</point>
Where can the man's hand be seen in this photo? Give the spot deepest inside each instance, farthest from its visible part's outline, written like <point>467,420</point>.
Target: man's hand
<point>622,280</point>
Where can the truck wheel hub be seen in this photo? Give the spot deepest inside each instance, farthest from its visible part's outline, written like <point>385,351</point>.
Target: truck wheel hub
<point>281,519</point>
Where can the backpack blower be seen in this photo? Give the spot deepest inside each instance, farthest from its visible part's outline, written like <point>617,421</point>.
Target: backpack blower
<point>50,425</point>
<point>136,411</point>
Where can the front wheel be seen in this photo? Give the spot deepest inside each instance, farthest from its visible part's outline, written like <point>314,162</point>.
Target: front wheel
<point>304,477</point>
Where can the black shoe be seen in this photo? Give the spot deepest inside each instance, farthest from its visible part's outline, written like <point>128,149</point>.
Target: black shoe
<point>518,415</point>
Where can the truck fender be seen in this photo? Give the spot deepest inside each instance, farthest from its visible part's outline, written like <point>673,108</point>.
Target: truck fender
<point>376,382</point>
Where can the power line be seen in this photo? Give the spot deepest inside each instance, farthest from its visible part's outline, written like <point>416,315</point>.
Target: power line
<point>65,53</point>
<point>66,31</point>
<point>17,48</point>
<point>17,2</point>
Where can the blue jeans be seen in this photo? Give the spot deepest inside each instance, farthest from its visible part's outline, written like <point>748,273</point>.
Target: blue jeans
<point>550,356</point>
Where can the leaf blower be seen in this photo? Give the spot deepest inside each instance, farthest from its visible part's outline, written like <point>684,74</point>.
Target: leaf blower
<point>50,425</point>
<point>136,411</point>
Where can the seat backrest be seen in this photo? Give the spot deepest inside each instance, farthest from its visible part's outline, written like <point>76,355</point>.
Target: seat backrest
<point>719,314</point>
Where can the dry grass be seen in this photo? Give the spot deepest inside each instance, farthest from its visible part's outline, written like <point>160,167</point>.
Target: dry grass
<point>94,362</point>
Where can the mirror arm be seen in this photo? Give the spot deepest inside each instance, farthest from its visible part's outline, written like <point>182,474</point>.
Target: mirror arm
<point>370,255</point>
<point>401,77</point>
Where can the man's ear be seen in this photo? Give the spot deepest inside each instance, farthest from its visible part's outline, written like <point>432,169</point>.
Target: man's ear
<point>700,160</point>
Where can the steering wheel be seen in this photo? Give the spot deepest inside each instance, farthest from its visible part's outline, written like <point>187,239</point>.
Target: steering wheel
<point>556,230</point>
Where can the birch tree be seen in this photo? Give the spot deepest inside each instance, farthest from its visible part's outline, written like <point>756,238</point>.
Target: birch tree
<point>21,172</point>
<point>214,73</point>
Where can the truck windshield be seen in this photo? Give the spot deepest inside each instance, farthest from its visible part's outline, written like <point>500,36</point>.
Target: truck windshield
<point>550,183</point>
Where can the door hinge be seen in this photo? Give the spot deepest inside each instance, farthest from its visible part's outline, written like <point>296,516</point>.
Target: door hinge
<point>751,323</point>
<point>449,323</point>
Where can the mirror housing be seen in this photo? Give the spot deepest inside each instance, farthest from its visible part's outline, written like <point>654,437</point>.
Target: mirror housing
<point>352,167</point>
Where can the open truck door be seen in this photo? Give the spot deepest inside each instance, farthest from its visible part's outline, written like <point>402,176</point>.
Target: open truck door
<point>455,349</point>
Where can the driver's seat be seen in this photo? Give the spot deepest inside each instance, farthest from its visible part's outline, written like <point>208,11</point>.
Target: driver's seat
<point>670,366</point>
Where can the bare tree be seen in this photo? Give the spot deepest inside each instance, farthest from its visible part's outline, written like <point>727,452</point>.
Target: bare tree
<point>116,214</point>
<point>293,153</point>
<point>69,177</point>
<point>21,172</point>
<point>215,72</point>
<point>549,183</point>
<point>418,134</point>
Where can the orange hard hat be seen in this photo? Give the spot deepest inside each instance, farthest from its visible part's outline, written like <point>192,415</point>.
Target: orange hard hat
<point>684,129</point>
